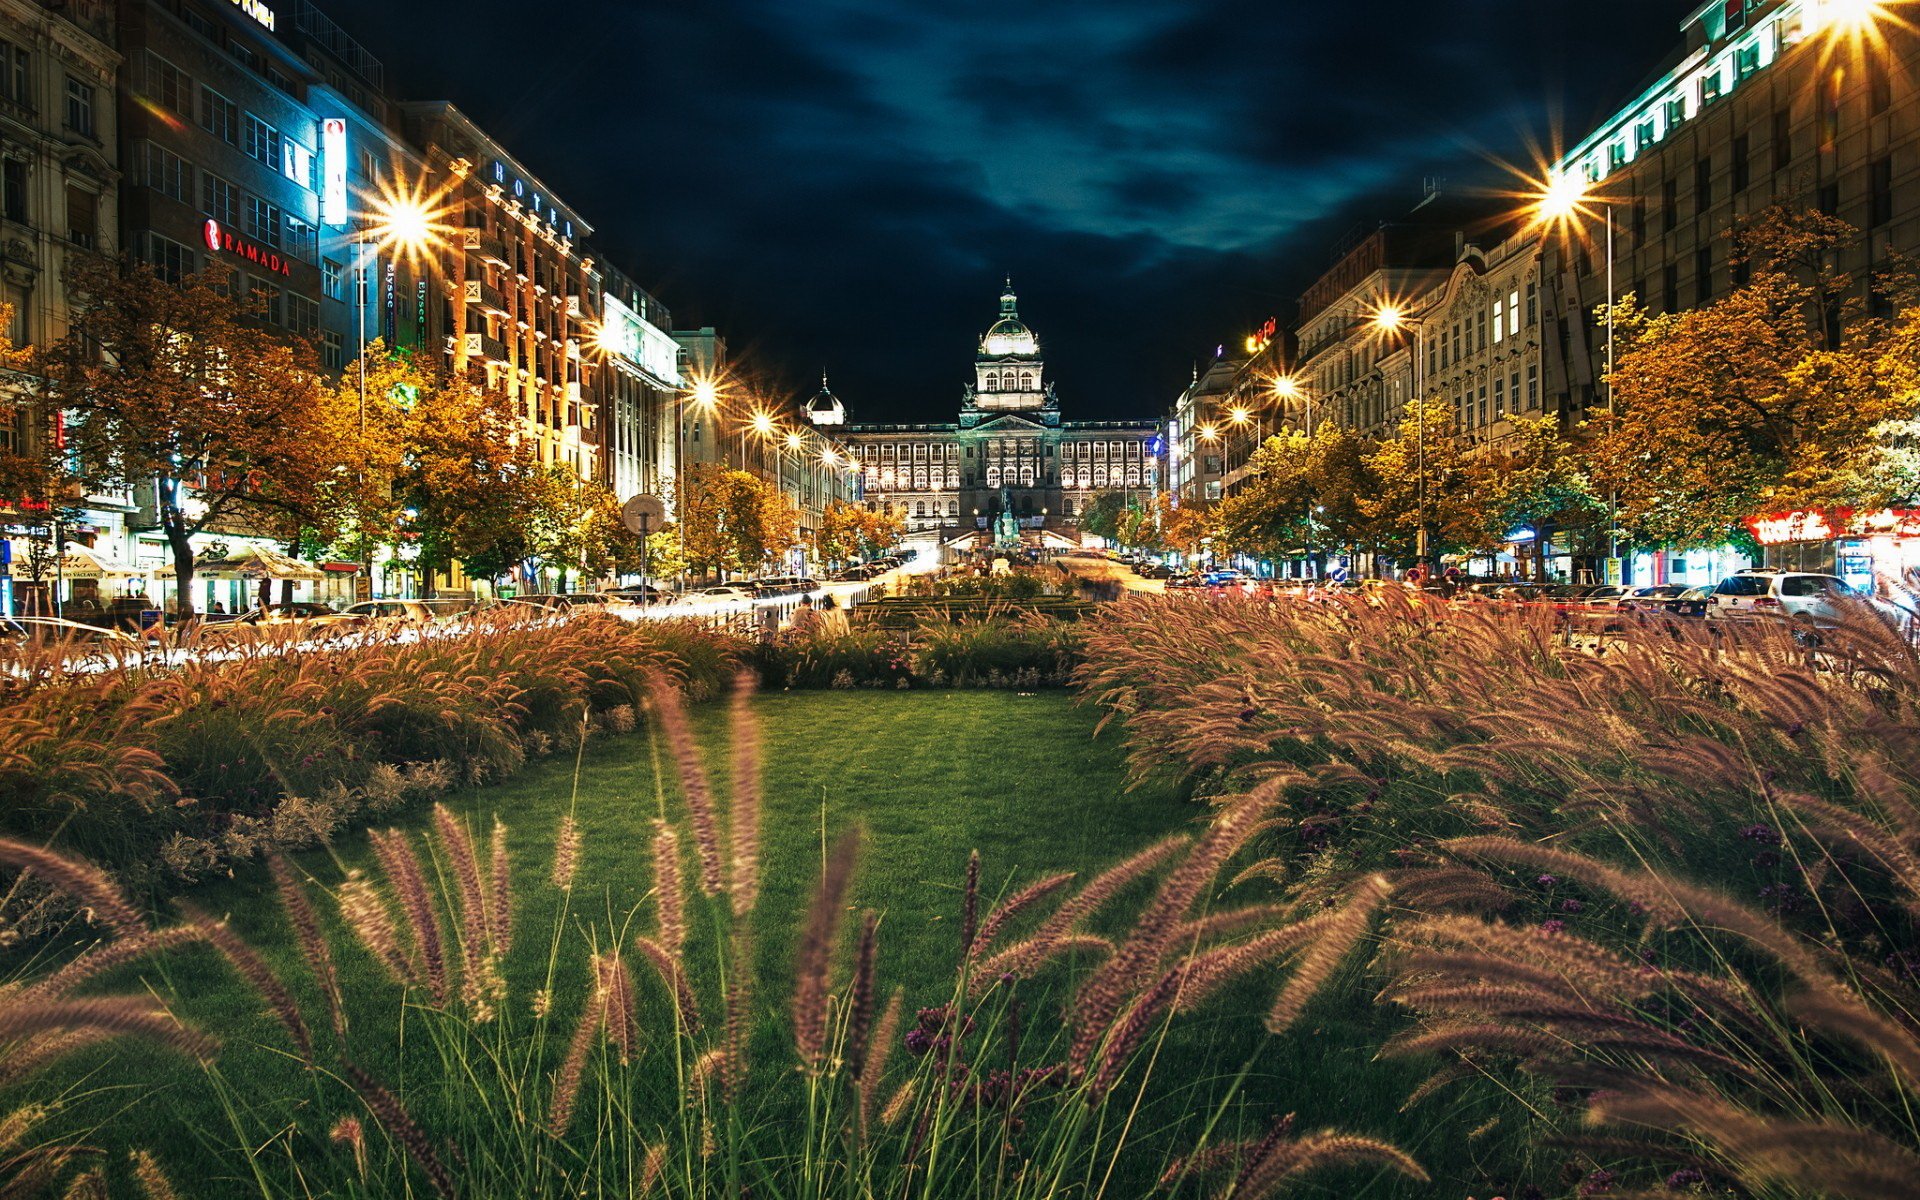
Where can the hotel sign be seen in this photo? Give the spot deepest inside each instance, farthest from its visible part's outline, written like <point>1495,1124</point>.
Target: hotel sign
<point>333,171</point>
<point>517,187</point>
<point>256,10</point>
<point>222,240</point>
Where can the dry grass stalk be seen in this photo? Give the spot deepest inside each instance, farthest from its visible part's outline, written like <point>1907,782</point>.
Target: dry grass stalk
<point>573,1069</point>
<point>111,1016</point>
<point>671,712</point>
<point>669,890</point>
<point>109,956</point>
<point>313,944</point>
<point>651,1167</point>
<point>874,1068</point>
<point>860,1004</point>
<point>365,909</point>
<point>393,1116</point>
<point>153,1182</point>
<point>737,1010</point>
<point>500,893</point>
<point>813,963</point>
<point>1332,942</point>
<point>566,853</point>
<point>746,796</point>
<point>349,1133</point>
<point>1004,912</point>
<point>970,904</point>
<point>251,967</point>
<point>395,852</point>
<point>100,898</point>
<point>667,966</point>
<point>475,943</point>
<point>90,1184</point>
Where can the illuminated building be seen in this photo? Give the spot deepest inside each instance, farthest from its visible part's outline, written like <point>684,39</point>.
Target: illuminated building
<point>1009,451</point>
<point>1805,103</point>
<point>59,177</point>
<point>1198,465</point>
<point>520,290</point>
<point>639,386</point>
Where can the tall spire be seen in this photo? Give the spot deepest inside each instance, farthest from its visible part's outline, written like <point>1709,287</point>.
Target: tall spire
<point>1008,301</point>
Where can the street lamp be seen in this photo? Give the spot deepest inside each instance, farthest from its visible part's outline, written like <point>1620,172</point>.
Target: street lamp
<point>1567,202</point>
<point>1391,318</point>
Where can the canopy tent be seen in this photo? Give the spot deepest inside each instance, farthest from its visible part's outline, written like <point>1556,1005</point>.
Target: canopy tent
<point>251,562</point>
<point>81,562</point>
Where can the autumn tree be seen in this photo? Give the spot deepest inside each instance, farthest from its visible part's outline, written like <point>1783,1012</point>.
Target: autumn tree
<point>1418,474</point>
<point>1303,491</point>
<point>176,389</point>
<point>838,538</point>
<point>1533,478</point>
<point>466,483</point>
<point>1780,395</point>
<point>732,520</point>
<point>1102,513</point>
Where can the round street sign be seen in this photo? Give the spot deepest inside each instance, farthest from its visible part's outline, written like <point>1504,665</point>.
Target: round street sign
<point>644,513</point>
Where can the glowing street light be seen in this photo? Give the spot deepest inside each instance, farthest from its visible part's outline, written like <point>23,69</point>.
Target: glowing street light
<point>1389,316</point>
<point>762,424</point>
<point>1209,433</point>
<point>795,441</point>
<point>1239,416</point>
<point>1287,387</point>
<point>706,393</point>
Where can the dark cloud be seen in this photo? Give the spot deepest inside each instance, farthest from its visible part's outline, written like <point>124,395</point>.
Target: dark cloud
<point>843,183</point>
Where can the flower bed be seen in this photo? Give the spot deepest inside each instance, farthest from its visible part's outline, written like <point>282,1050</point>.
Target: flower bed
<point>1002,651</point>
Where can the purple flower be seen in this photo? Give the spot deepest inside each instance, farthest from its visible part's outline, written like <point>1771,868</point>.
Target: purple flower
<point>1546,881</point>
<point>1685,1178</point>
<point>1554,926</point>
<point>1766,859</point>
<point>1765,835</point>
<point>919,1041</point>
<point>1571,906</point>
<point>1780,897</point>
<point>1597,1183</point>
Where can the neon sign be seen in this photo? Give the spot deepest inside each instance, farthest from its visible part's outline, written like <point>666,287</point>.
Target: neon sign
<point>256,10</point>
<point>1263,337</point>
<point>534,200</point>
<point>1820,525</point>
<point>222,240</point>
<point>333,171</point>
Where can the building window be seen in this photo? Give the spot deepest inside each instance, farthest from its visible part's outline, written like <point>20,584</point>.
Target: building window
<point>1782,139</point>
<point>1669,205</point>
<point>1499,397</point>
<point>16,74</point>
<point>263,221</point>
<point>1643,134</point>
<point>218,199</point>
<point>1710,87</point>
<point>1499,321</point>
<point>1676,113</point>
<point>1703,274</point>
<point>166,173</point>
<point>79,106</point>
<point>13,189</point>
<point>1702,185</point>
<point>1879,84</point>
<point>303,315</point>
<point>1746,61</point>
<point>83,217</point>
<point>200,23</point>
<point>300,238</point>
<point>1533,305</point>
<point>1742,168</point>
<point>261,141</point>
<point>330,280</point>
<point>248,56</point>
<point>169,85</point>
<point>1513,313</point>
<point>1670,288</point>
<point>1828,199</point>
<point>171,261</point>
<point>1879,192</point>
<point>1533,385</point>
<point>216,114</point>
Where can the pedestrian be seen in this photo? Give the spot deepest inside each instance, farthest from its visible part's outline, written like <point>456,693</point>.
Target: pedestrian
<point>833,618</point>
<point>218,609</point>
<point>806,621</point>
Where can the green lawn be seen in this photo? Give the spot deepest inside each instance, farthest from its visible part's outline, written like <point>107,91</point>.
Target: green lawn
<point>928,774</point>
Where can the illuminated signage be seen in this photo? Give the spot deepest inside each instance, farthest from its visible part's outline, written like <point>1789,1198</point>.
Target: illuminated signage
<point>1262,337</point>
<point>256,10</point>
<point>517,187</point>
<point>623,332</point>
<point>1820,525</point>
<point>333,171</point>
<point>221,240</point>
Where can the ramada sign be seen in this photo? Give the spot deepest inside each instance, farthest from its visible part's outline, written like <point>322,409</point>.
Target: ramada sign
<point>223,239</point>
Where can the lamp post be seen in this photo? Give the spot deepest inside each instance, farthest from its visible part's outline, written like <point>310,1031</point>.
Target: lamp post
<point>1287,389</point>
<point>1391,318</point>
<point>1565,202</point>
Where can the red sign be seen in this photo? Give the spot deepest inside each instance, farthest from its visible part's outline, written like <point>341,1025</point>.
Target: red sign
<point>219,239</point>
<point>1822,525</point>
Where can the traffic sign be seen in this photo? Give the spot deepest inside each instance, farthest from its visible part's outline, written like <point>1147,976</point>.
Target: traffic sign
<point>643,514</point>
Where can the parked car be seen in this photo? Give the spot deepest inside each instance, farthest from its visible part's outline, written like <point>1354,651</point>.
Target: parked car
<point>644,594</point>
<point>1186,581</point>
<point>565,601</point>
<point>1807,598</point>
<point>1154,570</point>
<point>1224,577</point>
<point>391,612</point>
<point>721,591</point>
<point>73,638</point>
<point>296,615</point>
<point>854,574</point>
<point>1671,600</point>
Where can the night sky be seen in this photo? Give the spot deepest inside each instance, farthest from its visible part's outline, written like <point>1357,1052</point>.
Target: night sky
<point>843,184</point>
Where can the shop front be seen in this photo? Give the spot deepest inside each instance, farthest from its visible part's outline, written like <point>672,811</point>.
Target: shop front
<point>1874,550</point>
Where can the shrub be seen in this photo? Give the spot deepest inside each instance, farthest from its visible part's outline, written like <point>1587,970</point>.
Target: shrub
<point>1006,651</point>
<point>202,756</point>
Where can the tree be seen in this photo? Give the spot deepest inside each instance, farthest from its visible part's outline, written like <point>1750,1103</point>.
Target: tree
<point>466,484</point>
<point>1102,514</point>
<point>1532,478</point>
<point>175,388</point>
<point>1303,492</point>
<point>881,531</point>
<point>1780,395</point>
<point>1418,468</point>
<point>1190,527</point>
<point>732,520</point>
<point>838,536</point>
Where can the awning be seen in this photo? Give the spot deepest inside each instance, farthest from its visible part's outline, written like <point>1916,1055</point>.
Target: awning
<point>80,562</point>
<point>254,562</point>
<point>341,568</point>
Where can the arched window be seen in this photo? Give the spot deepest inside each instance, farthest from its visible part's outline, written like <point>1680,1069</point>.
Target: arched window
<point>920,508</point>
<point>953,508</point>
<point>993,476</point>
<point>1069,504</point>
<point>1026,381</point>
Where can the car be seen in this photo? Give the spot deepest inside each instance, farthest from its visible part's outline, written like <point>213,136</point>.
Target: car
<point>74,638</point>
<point>300,616</point>
<point>1224,577</point>
<point>564,601</point>
<point>775,585</point>
<point>854,574</point>
<point>1186,581</point>
<point>1650,598</point>
<point>1666,601</point>
<point>1807,598</point>
<point>391,612</point>
<point>643,593</point>
<point>721,591</point>
<point>1155,570</point>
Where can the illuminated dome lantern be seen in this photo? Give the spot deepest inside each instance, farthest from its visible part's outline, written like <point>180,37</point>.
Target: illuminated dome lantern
<point>825,407</point>
<point>1008,370</point>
